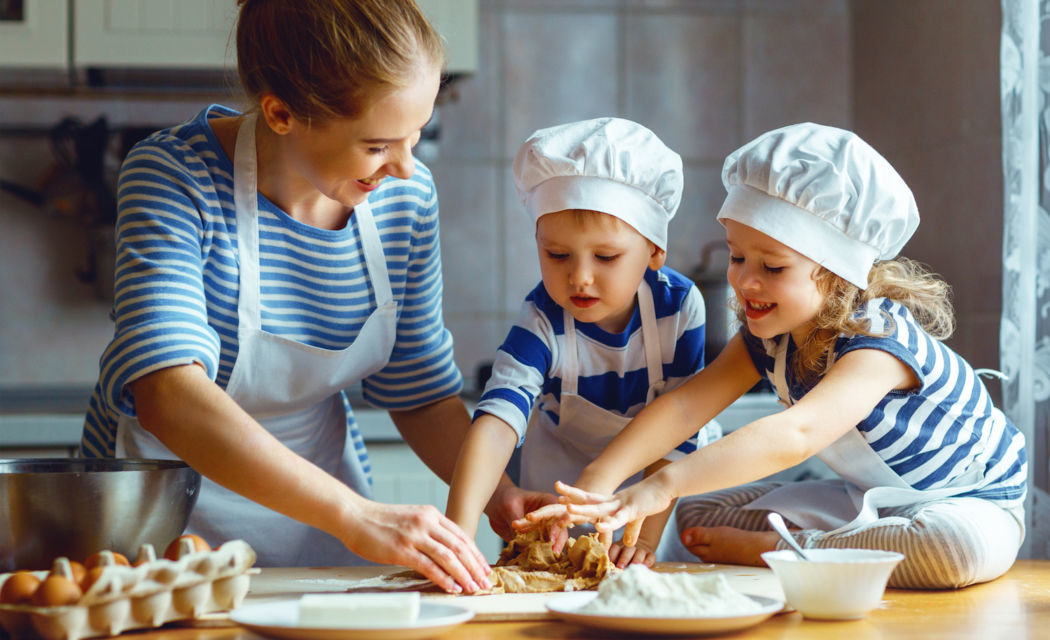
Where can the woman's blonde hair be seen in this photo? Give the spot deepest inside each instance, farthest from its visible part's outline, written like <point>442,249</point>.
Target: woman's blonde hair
<point>325,58</point>
<point>903,280</point>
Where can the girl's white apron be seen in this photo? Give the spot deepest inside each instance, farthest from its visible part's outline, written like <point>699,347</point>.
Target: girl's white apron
<point>291,388</point>
<point>867,484</point>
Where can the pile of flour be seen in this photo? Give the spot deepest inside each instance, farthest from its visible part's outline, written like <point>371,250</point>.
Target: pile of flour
<point>639,591</point>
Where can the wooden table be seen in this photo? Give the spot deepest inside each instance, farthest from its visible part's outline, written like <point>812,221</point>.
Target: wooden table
<point>1014,607</point>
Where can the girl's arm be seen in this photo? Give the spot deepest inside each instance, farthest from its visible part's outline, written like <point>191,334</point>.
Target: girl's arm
<point>851,389</point>
<point>672,418</point>
<point>203,426</point>
<point>659,428</point>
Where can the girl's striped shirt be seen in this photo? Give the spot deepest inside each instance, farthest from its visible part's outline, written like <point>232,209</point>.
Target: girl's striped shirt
<point>936,436</point>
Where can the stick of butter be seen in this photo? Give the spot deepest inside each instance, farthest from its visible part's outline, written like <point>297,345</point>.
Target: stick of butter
<point>337,610</point>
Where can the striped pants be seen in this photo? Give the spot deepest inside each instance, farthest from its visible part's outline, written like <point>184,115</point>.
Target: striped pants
<point>947,544</point>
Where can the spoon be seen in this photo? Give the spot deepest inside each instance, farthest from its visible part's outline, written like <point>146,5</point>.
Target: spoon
<point>778,525</point>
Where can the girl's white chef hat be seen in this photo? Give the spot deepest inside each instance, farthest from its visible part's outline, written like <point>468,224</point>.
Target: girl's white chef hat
<point>610,165</point>
<point>823,192</point>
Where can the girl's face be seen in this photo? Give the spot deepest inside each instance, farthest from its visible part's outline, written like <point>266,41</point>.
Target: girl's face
<point>346,158</point>
<point>773,283</point>
<point>592,265</point>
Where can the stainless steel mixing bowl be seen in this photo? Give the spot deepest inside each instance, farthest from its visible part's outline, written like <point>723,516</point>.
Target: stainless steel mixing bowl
<point>75,507</point>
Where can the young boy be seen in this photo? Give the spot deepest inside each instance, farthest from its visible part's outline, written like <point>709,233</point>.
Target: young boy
<point>608,329</point>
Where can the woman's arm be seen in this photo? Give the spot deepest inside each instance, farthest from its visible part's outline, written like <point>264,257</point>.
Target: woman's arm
<point>203,426</point>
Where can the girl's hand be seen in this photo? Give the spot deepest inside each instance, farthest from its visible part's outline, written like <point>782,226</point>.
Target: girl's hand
<point>627,508</point>
<point>638,554</point>
<point>420,537</point>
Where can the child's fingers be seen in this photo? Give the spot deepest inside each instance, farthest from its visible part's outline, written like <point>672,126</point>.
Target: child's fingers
<point>577,496</point>
<point>605,537</point>
<point>631,532</point>
<point>547,512</point>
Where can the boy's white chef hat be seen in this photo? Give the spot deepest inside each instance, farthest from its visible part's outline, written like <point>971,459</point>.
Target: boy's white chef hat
<point>823,192</point>
<point>610,165</point>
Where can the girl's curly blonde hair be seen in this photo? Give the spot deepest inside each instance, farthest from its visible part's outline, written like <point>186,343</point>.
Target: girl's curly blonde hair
<point>903,280</point>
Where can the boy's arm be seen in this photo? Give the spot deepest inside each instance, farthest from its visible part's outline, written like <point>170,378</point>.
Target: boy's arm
<point>479,469</point>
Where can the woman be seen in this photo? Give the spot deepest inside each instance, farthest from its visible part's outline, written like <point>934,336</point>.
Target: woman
<point>268,260</point>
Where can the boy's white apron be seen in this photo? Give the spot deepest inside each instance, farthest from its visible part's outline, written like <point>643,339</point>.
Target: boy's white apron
<point>560,452</point>
<point>869,483</point>
<point>291,388</point>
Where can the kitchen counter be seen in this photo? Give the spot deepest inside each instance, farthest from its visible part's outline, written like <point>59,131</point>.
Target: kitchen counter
<point>1016,606</point>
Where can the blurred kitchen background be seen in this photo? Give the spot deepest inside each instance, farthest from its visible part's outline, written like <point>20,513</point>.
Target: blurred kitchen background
<point>918,79</point>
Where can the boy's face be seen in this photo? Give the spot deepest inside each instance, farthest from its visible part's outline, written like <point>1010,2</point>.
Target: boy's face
<point>592,264</point>
<point>774,284</point>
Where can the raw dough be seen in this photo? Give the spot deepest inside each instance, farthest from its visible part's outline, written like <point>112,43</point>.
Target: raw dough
<point>528,565</point>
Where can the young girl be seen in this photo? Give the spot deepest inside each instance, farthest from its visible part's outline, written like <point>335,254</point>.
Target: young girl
<point>851,341</point>
<point>266,261</point>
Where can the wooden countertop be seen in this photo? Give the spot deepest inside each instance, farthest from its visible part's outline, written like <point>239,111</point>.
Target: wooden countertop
<point>1016,606</point>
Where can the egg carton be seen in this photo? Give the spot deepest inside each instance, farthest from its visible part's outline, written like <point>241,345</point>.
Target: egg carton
<point>149,595</point>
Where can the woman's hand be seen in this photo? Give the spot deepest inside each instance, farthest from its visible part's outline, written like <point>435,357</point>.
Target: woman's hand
<point>420,537</point>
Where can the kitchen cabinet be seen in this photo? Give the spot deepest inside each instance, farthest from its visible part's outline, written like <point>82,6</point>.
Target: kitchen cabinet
<point>34,34</point>
<point>172,34</point>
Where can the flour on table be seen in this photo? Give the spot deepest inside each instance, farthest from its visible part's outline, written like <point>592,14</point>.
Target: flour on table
<point>640,591</point>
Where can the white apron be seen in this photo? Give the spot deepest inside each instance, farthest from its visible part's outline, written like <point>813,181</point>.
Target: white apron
<point>291,388</point>
<point>867,484</point>
<point>584,428</point>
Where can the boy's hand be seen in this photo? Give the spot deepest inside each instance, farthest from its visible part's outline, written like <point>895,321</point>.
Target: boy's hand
<point>641,553</point>
<point>509,506</point>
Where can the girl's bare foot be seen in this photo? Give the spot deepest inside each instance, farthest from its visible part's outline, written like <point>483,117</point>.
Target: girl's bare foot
<point>728,545</point>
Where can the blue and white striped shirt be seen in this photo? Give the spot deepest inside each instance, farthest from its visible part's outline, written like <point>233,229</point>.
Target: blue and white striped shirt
<point>612,373</point>
<point>177,279</point>
<point>932,436</point>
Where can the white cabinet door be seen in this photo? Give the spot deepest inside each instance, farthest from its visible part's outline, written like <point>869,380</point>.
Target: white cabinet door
<point>457,21</point>
<point>178,34</point>
<point>199,33</point>
<point>35,34</point>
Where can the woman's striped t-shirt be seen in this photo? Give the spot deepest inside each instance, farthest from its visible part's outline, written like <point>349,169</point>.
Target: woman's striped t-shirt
<point>930,437</point>
<point>177,279</point>
<point>527,371</point>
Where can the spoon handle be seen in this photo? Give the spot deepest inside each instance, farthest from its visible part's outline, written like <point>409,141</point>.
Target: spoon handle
<point>778,524</point>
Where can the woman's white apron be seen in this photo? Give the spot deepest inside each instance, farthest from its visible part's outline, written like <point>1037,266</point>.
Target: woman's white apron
<point>560,452</point>
<point>291,388</point>
<point>867,485</point>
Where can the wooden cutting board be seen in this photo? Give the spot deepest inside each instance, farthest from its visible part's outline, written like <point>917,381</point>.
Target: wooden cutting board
<point>285,582</point>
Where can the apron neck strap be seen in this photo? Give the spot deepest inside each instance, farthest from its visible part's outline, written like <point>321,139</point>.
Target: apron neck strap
<point>650,340</point>
<point>780,370</point>
<point>246,202</point>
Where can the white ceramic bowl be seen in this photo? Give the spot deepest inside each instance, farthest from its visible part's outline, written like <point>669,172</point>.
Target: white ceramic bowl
<point>835,584</point>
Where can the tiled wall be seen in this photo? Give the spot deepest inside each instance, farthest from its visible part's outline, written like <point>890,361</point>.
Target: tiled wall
<point>705,75</point>
<point>939,123</point>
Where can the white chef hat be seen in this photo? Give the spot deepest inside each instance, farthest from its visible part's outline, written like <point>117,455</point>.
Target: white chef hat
<point>823,192</point>
<point>610,165</point>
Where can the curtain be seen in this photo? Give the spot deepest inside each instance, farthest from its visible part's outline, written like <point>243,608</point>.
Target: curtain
<point>1025,326</point>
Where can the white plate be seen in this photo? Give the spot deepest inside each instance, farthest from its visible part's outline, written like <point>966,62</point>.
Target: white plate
<point>566,606</point>
<point>280,619</point>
